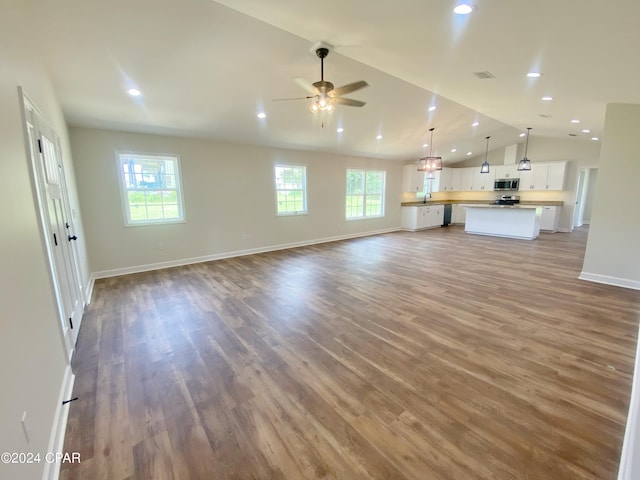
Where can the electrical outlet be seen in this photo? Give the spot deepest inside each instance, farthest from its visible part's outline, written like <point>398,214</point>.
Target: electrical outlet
<point>25,427</point>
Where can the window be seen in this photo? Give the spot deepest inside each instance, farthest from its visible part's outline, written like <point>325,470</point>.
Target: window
<point>365,194</point>
<point>150,187</point>
<point>291,190</point>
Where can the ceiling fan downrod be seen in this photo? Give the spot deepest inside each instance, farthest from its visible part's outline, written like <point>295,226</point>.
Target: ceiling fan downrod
<point>322,53</point>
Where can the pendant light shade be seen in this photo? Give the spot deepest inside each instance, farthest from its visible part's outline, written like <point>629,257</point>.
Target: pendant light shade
<point>485,165</point>
<point>525,163</point>
<point>430,163</point>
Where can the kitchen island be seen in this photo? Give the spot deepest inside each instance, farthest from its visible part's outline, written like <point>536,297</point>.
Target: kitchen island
<point>511,221</point>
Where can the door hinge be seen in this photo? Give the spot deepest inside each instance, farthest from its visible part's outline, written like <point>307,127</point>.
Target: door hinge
<point>40,145</point>
<point>55,239</point>
<point>70,323</point>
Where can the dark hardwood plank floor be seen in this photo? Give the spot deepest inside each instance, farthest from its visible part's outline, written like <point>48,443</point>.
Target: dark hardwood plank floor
<point>428,355</point>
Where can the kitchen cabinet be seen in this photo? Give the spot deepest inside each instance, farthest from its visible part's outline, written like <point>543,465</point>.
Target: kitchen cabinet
<point>458,213</point>
<point>444,180</point>
<point>466,179</point>
<point>505,171</point>
<point>543,176</point>
<point>419,218</point>
<point>456,179</point>
<point>555,176</point>
<point>550,218</point>
<point>412,180</point>
<point>482,182</point>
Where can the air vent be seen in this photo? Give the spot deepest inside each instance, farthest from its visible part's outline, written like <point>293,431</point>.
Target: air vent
<point>572,135</point>
<point>483,75</point>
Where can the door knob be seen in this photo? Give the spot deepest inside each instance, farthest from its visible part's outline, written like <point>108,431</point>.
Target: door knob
<point>72,238</point>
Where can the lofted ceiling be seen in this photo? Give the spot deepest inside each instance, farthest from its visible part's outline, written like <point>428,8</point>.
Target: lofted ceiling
<point>205,69</point>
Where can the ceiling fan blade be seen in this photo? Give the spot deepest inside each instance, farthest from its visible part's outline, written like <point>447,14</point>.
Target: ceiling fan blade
<point>290,98</point>
<point>351,87</point>
<point>306,85</point>
<point>348,101</point>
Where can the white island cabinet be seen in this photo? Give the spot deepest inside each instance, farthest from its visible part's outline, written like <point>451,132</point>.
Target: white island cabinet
<point>512,221</point>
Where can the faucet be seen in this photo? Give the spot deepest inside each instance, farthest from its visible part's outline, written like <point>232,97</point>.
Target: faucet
<point>425,196</point>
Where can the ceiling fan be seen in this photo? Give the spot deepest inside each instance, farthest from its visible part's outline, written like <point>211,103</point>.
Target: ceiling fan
<point>323,93</point>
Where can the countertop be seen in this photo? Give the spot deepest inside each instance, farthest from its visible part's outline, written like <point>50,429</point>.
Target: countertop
<point>541,203</point>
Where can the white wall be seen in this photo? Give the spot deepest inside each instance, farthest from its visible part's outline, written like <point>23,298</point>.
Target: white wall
<point>590,195</point>
<point>228,193</point>
<point>614,234</point>
<point>578,152</point>
<point>32,354</point>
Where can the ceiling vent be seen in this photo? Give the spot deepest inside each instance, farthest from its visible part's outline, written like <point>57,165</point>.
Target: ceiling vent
<point>483,75</point>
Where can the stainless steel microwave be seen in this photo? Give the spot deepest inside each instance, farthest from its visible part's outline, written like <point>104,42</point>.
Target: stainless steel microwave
<point>506,184</point>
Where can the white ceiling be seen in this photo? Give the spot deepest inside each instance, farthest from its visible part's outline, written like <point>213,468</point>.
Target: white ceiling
<point>206,68</point>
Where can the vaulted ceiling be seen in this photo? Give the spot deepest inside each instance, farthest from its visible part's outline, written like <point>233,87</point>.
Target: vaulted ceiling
<point>207,68</point>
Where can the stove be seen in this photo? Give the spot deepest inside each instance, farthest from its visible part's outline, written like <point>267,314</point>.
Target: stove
<point>508,200</point>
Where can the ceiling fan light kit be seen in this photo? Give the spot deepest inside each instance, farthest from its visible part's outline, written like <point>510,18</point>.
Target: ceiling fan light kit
<point>324,96</point>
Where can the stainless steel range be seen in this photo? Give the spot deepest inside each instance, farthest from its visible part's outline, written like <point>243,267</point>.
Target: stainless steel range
<point>508,200</point>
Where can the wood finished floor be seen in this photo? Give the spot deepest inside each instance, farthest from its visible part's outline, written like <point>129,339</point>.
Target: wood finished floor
<point>429,355</point>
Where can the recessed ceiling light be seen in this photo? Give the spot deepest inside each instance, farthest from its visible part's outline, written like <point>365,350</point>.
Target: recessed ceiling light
<point>547,98</point>
<point>262,115</point>
<point>595,139</point>
<point>475,124</point>
<point>575,120</point>
<point>379,137</point>
<point>453,150</point>
<point>340,130</point>
<point>534,74</point>
<point>522,134</point>
<point>469,153</point>
<point>432,108</point>
<point>425,145</point>
<point>134,92</point>
<point>464,8</point>
<point>586,130</point>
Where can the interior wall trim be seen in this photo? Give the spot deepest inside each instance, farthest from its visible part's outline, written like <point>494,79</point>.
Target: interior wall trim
<point>219,256</point>
<point>59,427</point>
<point>606,279</point>
<point>629,461</point>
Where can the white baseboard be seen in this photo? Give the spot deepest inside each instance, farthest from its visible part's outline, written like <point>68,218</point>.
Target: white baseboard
<point>59,427</point>
<point>219,256</point>
<point>616,281</point>
<point>89,288</point>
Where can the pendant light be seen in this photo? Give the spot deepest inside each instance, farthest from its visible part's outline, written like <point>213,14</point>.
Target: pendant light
<point>485,165</point>
<point>430,163</point>
<point>525,163</point>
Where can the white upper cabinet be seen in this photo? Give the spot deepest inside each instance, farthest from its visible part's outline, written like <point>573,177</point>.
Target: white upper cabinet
<point>456,179</point>
<point>505,171</point>
<point>555,176</point>
<point>543,176</point>
<point>466,179</point>
<point>446,180</point>
<point>412,179</point>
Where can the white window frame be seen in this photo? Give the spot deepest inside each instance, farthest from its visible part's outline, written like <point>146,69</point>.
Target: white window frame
<point>364,194</point>
<point>124,190</point>
<point>305,208</point>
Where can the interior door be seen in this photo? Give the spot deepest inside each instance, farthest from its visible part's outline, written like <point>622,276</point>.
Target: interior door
<point>57,227</point>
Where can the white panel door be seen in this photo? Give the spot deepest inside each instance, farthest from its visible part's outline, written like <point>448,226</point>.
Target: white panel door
<point>57,226</point>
